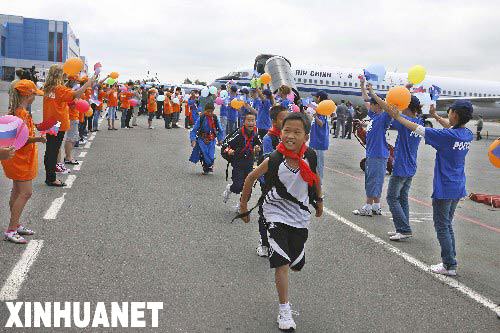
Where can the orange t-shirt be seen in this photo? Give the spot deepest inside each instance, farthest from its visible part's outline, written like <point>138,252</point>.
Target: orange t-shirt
<point>187,109</point>
<point>24,164</point>
<point>100,98</point>
<point>167,106</point>
<point>112,98</point>
<point>125,99</point>
<point>73,112</point>
<point>87,94</point>
<point>151,103</point>
<point>176,107</point>
<point>55,106</point>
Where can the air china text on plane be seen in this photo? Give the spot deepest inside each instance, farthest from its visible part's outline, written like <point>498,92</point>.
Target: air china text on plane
<point>300,72</point>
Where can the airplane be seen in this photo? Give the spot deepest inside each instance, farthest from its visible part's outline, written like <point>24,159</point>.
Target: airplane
<point>343,84</point>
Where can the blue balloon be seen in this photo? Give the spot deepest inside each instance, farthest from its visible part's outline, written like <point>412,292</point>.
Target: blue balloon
<point>374,74</point>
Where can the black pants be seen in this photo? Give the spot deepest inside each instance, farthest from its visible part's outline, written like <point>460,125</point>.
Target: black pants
<point>159,109</point>
<point>168,120</point>
<point>241,169</point>
<point>479,136</point>
<point>50,158</point>
<point>348,128</point>
<point>142,108</point>
<point>175,118</point>
<point>129,115</point>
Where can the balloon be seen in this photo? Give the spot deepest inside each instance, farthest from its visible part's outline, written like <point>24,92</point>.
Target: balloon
<point>114,75</point>
<point>13,132</point>
<point>398,96</point>
<point>326,107</point>
<point>133,102</point>
<point>253,83</point>
<point>290,97</point>
<point>110,81</point>
<point>416,74</point>
<point>160,98</point>
<point>295,108</point>
<point>374,74</point>
<point>213,90</point>
<point>205,92</point>
<point>82,105</point>
<point>224,94</point>
<point>236,104</point>
<point>258,82</point>
<point>219,101</point>
<point>89,113</point>
<point>73,66</point>
<point>265,78</point>
<point>123,88</point>
<point>175,100</point>
<point>494,153</point>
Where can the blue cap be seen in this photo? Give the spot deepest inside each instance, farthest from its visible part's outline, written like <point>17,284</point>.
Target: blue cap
<point>244,91</point>
<point>267,92</point>
<point>321,94</point>
<point>234,88</point>
<point>414,103</point>
<point>462,104</point>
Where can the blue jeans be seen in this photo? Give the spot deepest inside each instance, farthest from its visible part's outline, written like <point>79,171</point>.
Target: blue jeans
<point>223,123</point>
<point>443,211</point>
<point>123,118</point>
<point>95,119</point>
<point>231,127</point>
<point>374,176</point>
<point>397,199</point>
<point>321,162</point>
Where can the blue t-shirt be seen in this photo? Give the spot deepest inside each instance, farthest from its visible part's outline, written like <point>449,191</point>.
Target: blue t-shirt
<point>263,117</point>
<point>376,145</point>
<point>320,135</point>
<point>285,103</point>
<point>405,151</point>
<point>452,145</point>
<point>232,114</point>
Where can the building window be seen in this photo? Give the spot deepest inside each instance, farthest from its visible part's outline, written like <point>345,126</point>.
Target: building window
<point>51,46</point>
<point>59,46</point>
<point>4,40</point>
<point>9,73</point>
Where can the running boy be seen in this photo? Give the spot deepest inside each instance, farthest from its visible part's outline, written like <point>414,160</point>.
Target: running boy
<point>243,146</point>
<point>23,167</point>
<point>287,172</point>
<point>203,135</point>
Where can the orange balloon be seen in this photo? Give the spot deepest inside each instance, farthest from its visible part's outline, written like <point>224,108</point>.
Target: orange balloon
<point>114,75</point>
<point>326,107</point>
<point>494,153</point>
<point>89,113</point>
<point>73,66</point>
<point>265,78</point>
<point>399,97</point>
<point>235,104</point>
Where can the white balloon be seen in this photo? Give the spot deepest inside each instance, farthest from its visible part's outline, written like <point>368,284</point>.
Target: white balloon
<point>175,100</point>
<point>224,94</point>
<point>204,92</point>
<point>160,98</point>
<point>212,90</point>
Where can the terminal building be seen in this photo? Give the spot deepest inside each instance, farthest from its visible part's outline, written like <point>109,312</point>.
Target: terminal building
<point>27,42</point>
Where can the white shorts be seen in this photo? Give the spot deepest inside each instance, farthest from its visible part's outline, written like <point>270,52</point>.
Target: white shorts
<point>72,134</point>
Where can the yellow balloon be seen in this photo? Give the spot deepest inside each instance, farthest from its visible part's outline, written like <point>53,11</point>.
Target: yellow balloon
<point>416,74</point>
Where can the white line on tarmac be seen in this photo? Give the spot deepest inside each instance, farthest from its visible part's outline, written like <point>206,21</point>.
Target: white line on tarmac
<point>54,208</point>
<point>87,145</point>
<point>69,181</point>
<point>18,274</point>
<point>484,301</point>
<point>77,167</point>
<point>83,154</point>
<point>92,137</point>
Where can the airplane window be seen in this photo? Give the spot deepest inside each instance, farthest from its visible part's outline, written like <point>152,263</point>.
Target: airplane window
<point>327,82</point>
<point>470,94</point>
<point>245,74</point>
<point>299,79</point>
<point>356,84</point>
<point>378,87</point>
<point>459,93</point>
<point>345,83</point>
<point>315,81</point>
<point>475,94</point>
<point>383,87</point>
<point>310,81</point>
<point>454,93</point>
<point>480,95</point>
<point>339,84</point>
<point>350,84</point>
<point>320,81</point>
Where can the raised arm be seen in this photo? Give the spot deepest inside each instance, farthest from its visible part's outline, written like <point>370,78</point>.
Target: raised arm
<point>443,121</point>
<point>379,100</point>
<point>364,95</point>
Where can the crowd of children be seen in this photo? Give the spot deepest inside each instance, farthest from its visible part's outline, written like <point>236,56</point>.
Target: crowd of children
<point>264,142</point>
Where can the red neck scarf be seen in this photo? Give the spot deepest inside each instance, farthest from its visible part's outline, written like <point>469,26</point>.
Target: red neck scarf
<point>305,171</point>
<point>248,139</point>
<point>274,131</point>
<point>210,120</point>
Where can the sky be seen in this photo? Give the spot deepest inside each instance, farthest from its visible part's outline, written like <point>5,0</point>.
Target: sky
<point>208,39</point>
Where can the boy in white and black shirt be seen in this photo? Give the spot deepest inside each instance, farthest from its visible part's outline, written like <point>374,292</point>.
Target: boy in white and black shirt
<point>292,184</point>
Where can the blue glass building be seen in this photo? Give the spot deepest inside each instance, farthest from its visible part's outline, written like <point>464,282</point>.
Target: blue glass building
<point>27,42</point>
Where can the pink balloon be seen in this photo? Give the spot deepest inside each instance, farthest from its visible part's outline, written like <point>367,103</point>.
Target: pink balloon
<point>82,106</point>
<point>22,132</point>
<point>295,108</point>
<point>133,102</point>
<point>219,101</point>
<point>290,97</point>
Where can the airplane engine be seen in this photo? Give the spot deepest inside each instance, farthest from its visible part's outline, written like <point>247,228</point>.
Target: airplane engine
<point>281,73</point>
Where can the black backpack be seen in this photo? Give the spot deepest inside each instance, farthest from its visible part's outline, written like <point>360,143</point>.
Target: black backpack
<point>272,180</point>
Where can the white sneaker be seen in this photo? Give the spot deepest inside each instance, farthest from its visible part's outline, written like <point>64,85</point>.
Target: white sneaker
<point>262,251</point>
<point>285,320</point>
<point>237,208</point>
<point>377,211</point>
<point>151,127</point>
<point>226,194</point>
<point>440,269</point>
<point>362,212</point>
<point>391,233</point>
<point>398,236</point>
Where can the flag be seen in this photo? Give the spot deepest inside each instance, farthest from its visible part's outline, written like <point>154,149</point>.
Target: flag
<point>435,92</point>
<point>46,125</point>
<point>53,130</point>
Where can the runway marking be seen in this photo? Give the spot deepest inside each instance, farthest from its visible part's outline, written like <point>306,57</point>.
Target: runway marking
<point>92,137</point>
<point>87,145</point>
<point>54,208</point>
<point>78,167</point>
<point>427,204</point>
<point>472,294</point>
<point>69,181</point>
<point>83,154</point>
<point>13,284</point>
